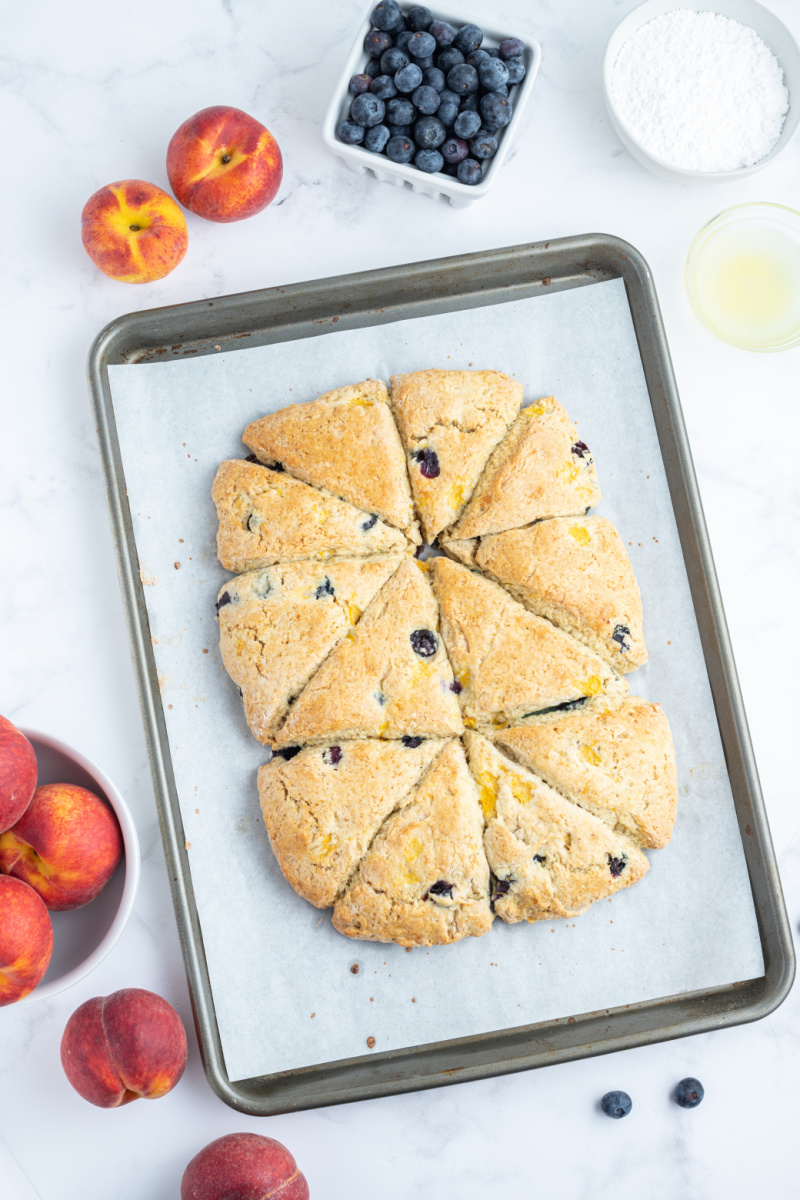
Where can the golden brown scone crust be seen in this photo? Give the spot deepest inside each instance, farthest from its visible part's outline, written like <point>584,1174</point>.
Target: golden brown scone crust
<point>347,443</point>
<point>509,662</point>
<point>614,757</point>
<point>434,839</point>
<point>267,517</point>
<point>458,416</point>
<point>551,858</point>
<point>540,469</point>
<point>323,807</point>
<point>576,572</point>
<point>461,550</point>
<point>277,625</point>
<point>375,684</point>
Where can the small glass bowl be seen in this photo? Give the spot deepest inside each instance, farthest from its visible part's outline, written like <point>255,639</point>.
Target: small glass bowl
<point>773,233</point>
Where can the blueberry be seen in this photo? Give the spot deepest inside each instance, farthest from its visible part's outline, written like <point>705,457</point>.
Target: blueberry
<point>469,171</point>
<point>581,450</point>
<point>622,636</point>
<point>411,743</point>
<point>493,74</point>
<point>400,149</point>
<point>429,161</point>
<point>402,39</point>
<point>400,112</point>
<point>376,42</point>
<point>689,1092</point>
<point>429,462</point>
<point>496,109</point>
<point>428,134</point>
<point>470,103</point>
<point>387,15</point>
<point>419,17</point>
<point>616,865</point>
<point>462,79</point>
<point>516,69</point>
<point>404,131</point>
<point>616,1104</point>
<point>383,87</point>
<point>425,63</point>
<point>324,589</point>
<point>367,110</point>
<point>434,78</point>
<point>332,756</point>
<point>492,51</point>
<point>454,149</point>
<point>440,888</point>
<point>502,888</point>
<point>501,89</point>
<point>360,84</point>
<point>375,139</point>
<point>484,145</point>
<point>448,108</point>
<point>408,79</point>
<point>456,687</point>
<point>350,133</point>
<point>224,599</point>
<point>469,37</point>
<point>426,99</point>
<point>373,520</point>
<point>289,751</point>
<point>540,858</point>
<point>373,68</point>
<point>421,45</point>
<point>449,58</point>
<point>424,642</point>
<point>476,57</point>
<point>393,60</point>
<point>511,48</point>
<point>251,458</point>
<point>467,124</point>
<point>442,32</point>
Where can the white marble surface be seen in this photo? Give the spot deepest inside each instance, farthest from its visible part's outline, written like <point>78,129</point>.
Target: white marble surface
<point>92,93</point>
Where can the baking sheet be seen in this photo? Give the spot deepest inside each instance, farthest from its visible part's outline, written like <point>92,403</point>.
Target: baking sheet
<point>284,994</point>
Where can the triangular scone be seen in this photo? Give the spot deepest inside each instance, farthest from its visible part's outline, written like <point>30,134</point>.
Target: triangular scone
<point>278,625</point>
<point>345,442</point>
<point>450,421</point>
<point>323,807</point>
<point>576,572</point>
<point>425,879</point>
<point>549,857</point>
<point>267,517</point>
<point>540,469</point>
<point>388,677</point>
<point>508,662</point>
<point>613,757</point>
<point>461,550</point>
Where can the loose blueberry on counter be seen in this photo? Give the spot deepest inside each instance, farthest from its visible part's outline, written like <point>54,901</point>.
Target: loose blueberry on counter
<point>289,752</point>
<point>616,865</point>
<point>467,124</point>
<point>469,171</point>
<point>511,48</point>
<point>434,78</point>
<point>426,99</point>
<point>421,45</point>
<point>324,589</point>
<point>689,1092</point>
<point>496,109</point>
<point>411,743</point>
<point>400,112</point>
<point>368,524</point>
<point>429,161</point>
<point>516,69</point>
<point>581,450</point>
<point>429,462</point>
<point>463,79</point>
<point>616,1104</point>
<point>622,636</point>
<point>442,33</point>
<point>387,15</point>
<point>408,79</point>
<point>424,642</point>
<point>429,133</point>
<point>400,149</point>
<point>484,145</point>
<point>493,74</point>
<point>376,42</point>
<point>449,58</point>
<point>332,756</point>
<point>375,139</point>
<point>419,17</point>
<point>454,149</point>
<point>469,37</point>
<point>224,599</point>
<point>448,107</point>
<point>359,84</point>
<point>350,133</point>
<point>383,87</point>
<point>393,60</point>
<point>440,888</point>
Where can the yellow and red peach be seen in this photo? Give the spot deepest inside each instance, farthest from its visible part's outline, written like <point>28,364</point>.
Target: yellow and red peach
<point>223,164</point>
<point>245,1165</point>
<point>26,939</point>
<point>17,774</point>
<point>124,1047</point>
<point>133,231</point>
<point>66,845</point>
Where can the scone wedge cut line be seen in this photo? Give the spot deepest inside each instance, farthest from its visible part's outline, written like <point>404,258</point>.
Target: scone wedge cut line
<point>454,739</point>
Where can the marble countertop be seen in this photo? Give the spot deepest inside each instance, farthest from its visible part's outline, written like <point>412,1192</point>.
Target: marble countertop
<point>92,93</point>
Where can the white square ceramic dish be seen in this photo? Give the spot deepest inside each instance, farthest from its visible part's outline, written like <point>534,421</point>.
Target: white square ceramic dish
<point>360,160</point>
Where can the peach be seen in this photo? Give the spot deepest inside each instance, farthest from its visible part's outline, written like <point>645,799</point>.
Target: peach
<point>26,939</point>
<point>247,1166</point>
<point>133,231</point>
<point>124,1047</point>
<point>17,774</point>
<point>224,165</point>
<point>66,845</point>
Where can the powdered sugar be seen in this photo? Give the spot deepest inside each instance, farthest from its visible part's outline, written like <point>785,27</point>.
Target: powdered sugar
<point>700,91</point>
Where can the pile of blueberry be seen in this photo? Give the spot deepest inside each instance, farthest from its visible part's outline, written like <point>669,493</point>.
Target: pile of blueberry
<point>429,94</point>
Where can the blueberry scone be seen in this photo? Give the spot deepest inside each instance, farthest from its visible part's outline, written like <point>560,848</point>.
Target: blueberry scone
<point>388,677</point>
<point>278,625</point>
<point>576,572</point>
<point>549,857</point>
<point>346,443</point>
<point>266,517</point>
<point>450,421</point>
<point>425,879</point>
<point>323,806</point>
<point>614,757</point>
<point>507,662</point>
<point>540,469</point>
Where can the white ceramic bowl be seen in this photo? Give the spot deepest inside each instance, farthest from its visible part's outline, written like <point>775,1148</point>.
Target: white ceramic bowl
<point>771,31</point>
<point>360,160</point>
<point>84,936</point>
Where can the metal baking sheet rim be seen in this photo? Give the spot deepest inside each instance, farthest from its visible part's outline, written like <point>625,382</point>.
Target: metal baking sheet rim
<point>375,297</point>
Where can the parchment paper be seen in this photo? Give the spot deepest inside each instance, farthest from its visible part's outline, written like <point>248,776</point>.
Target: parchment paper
<point>283,990</point>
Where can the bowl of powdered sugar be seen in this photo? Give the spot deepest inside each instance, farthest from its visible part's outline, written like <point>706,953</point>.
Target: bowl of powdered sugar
<point>699,93</point>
